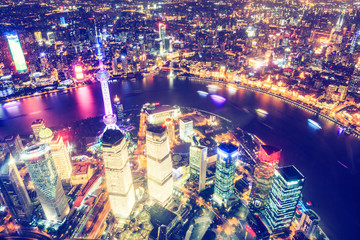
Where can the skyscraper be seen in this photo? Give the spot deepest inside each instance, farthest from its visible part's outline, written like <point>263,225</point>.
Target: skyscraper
<point>119,108</point>
<point>159,164</point>
<point>227,154</point>
<point>284,197</point>
<point>355,79</point>
<point>162,33</point>
<point>186,126</point>
<point>117,173</point>
<point>46,181</point>
<point>12,144</point>
<point>51,37</point>
<point>198,164</point>
<point>170,128</point>
<point>13,190</point>
<point>59,153</point>
<point>124,63</point>
<point>36,126</point>
<point>269,157</point>
<point>17,53</point>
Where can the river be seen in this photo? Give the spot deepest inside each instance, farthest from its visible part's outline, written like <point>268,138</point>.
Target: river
<point>330,163</point>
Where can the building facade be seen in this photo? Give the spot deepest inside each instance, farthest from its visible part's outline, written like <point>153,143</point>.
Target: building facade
<point>118,173</point>
<point>170,128</point>
<point>227,155</point>
<point>269,157</point>
<point>59,153</point>
<point>36,126</point>
<point>13,190</point>
<point>159,164</point>
<point>283,198</point>
<point>13,145</point>
<point>309,222</point>
<point>186,126</point>
<point>198,165</point>
<point>46,181</point>
<point>355,79</point>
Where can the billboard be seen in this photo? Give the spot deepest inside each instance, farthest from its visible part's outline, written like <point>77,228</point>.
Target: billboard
<point>17,53</point>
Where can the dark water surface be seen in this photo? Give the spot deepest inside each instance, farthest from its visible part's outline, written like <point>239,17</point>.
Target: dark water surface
<point>333,188</point>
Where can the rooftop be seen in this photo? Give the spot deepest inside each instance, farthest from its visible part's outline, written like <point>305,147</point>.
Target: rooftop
<point>112,137</point>
<point>185,120</point>
<point>270,149</point>
<point>290,173</point>
<point>156,129</point>
<point>35,151</point>
<point>38,121</point>
<point>160,216</point>
<point>81,169</point>
<point>46,133</point>
<point>228,147</point>
<point>159,109</point>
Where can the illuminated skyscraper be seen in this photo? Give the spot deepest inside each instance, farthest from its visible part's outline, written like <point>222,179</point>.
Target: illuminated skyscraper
<point>117,173</point>
<point>162,37</point>
<point>51,37</point>
<point>336,35</point>
<point>36,126</point>
<point>13,145</point>
<point>170,128</point>
<point>354,42</point>
<point>44,64</point>
<point>284,197</point>
<point>159,164</point>
<point>17,53</point>
<point>119,108</point>
<point>38,37</point>
<point>59,153</point>
<point>269,157</point>
<point>46,181</point>
<point>186,126</point>
<point>162,33</point>
<point>198,164</point>
<point>13,190</point>
<point>227,155</point>
<point>79,74</point>
<point>124,63</point>
<point>355,79</point>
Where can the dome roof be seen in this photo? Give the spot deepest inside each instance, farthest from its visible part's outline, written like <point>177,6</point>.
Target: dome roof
<point>46,133</point>
<point>102,75</point>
